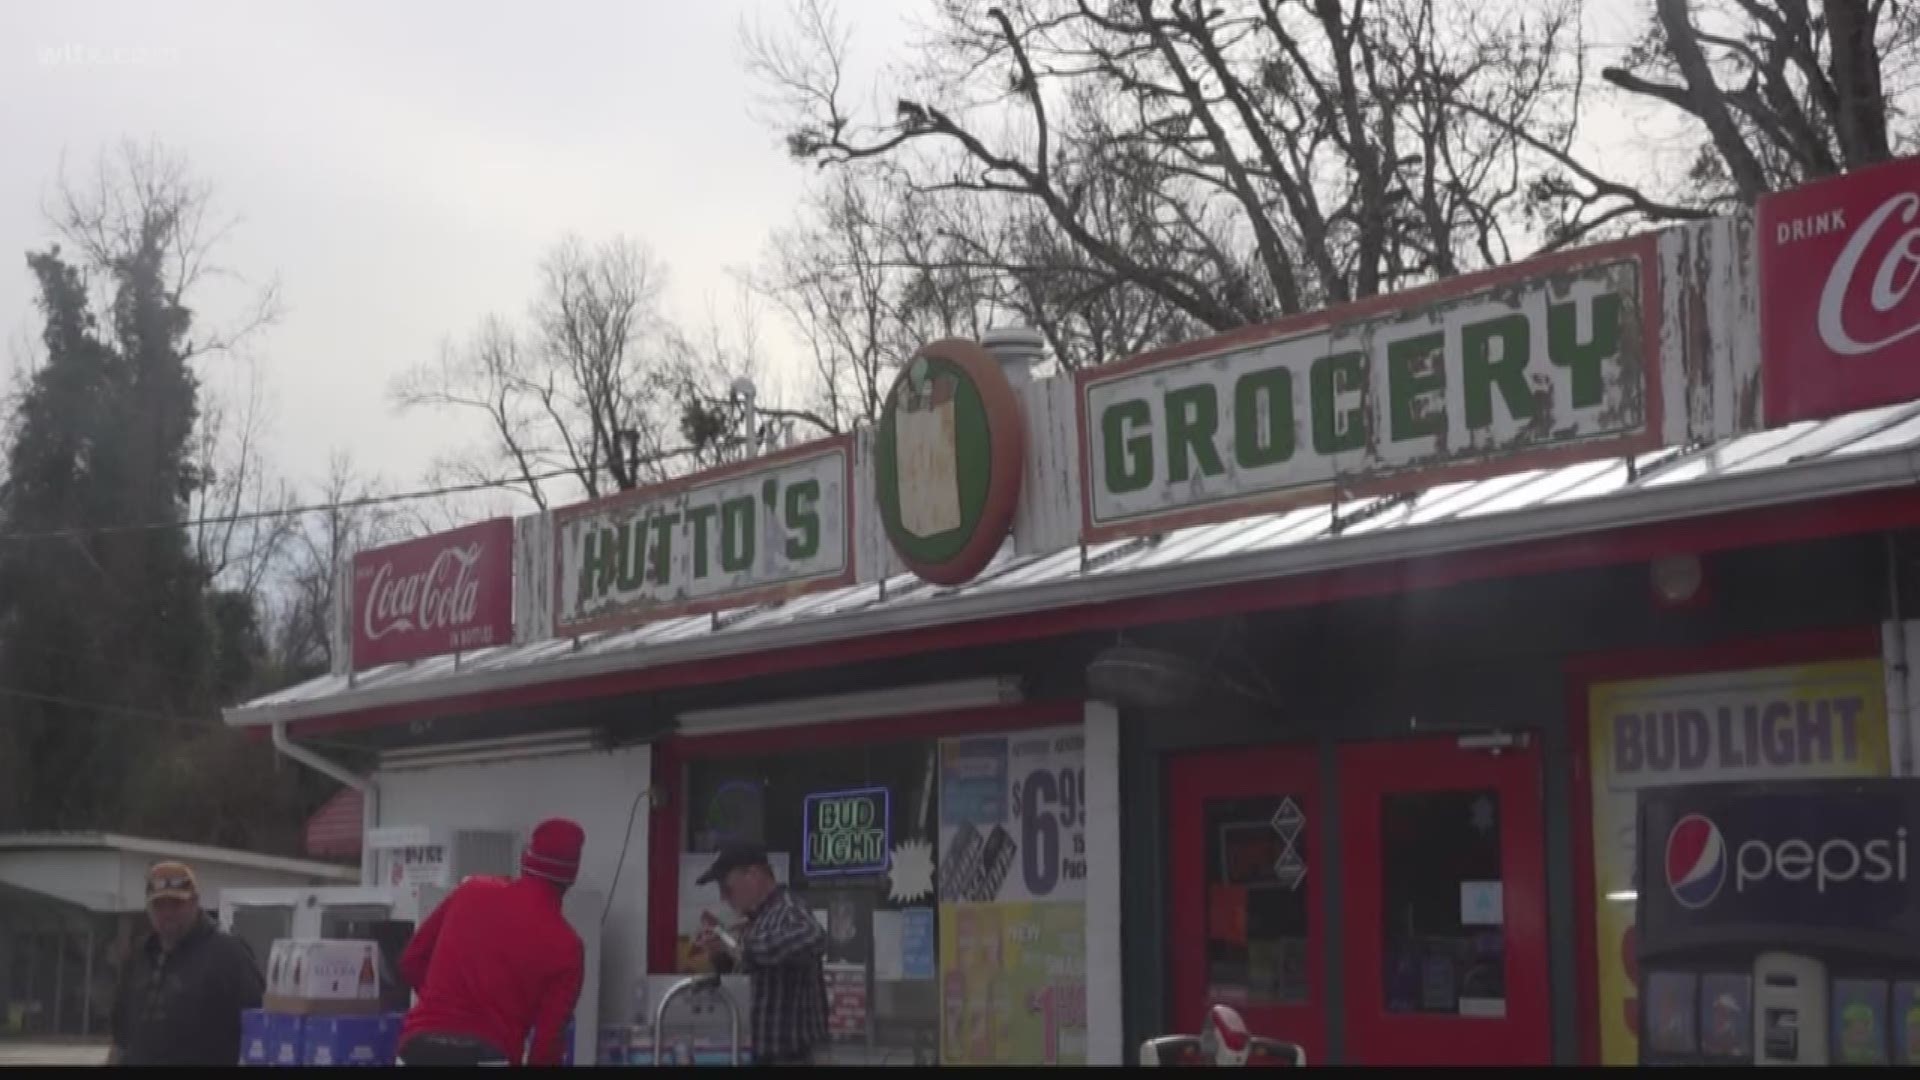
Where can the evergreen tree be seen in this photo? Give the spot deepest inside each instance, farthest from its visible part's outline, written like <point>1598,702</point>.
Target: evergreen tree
<point>105,639</point>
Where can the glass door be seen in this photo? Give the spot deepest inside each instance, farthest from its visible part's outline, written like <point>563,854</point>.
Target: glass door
<point>1245,902</point>
<point>1445,893</point>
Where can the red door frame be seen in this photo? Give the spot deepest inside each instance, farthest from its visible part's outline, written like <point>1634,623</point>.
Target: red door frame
<point>671,755</point>
<point>1581,673</point>
<point>1281,769</point>
<point>1524,1036</point>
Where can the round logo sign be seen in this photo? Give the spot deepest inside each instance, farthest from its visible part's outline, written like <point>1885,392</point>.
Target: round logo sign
<point>947,461</point>
<point>1696,861</point>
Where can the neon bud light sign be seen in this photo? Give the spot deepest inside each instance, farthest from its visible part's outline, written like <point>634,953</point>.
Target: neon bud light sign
<point>848,832</point>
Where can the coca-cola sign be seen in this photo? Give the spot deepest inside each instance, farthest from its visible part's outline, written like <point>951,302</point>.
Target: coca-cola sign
<point>1839,313</point>
<point>450,592</point>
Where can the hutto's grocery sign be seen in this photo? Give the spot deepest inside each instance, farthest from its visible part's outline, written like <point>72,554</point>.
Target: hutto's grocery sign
<point>765,529</point>
<point>1530,366</point>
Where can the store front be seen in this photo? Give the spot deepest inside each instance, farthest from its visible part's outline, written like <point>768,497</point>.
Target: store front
<point>1445,928</point>
<point>948,856</point>
<point>1500,553</point>
<point>1422,852</point>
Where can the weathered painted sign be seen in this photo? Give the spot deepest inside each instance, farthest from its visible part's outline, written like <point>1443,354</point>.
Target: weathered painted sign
<point>1838,315</point>
<point>1539,364</point>
<point>947,457</point>
<point>449,592</point>
<point>765,529</point>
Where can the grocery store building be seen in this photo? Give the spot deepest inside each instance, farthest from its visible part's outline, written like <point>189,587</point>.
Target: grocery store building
<point>1311,668</point>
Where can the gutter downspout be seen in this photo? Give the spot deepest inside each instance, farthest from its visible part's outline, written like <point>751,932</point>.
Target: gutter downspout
<point>369,792</point>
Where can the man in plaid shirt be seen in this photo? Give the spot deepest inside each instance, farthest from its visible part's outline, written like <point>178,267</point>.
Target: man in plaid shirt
<point>781,948</point>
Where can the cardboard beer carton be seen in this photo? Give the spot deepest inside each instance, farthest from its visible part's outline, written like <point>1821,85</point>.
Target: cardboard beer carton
<point>367,1041</point>
<point>324,978</point>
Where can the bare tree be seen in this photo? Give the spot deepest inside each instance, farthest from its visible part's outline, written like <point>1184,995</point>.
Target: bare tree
<point>586,392</point>
<point>1787,91</point>
<point>105,213</point>
<point>1275,156</point>
<point>240,519</point>
<point>301,639</point>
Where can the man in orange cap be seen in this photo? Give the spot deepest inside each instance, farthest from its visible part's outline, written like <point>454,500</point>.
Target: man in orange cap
<point>182,990</point>
<point>497,960</point>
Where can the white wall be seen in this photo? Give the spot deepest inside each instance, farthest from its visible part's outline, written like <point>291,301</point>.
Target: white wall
<point>595,789</point>
<point>89,877</point>
<point>1900,649</point>
<point>1106,1044</point>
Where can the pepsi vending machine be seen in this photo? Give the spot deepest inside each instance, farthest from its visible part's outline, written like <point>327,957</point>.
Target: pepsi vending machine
<point>1779,923</point>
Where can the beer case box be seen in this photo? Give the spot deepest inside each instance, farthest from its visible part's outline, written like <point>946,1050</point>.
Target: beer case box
<point>366,1041</point>
<point>283,1038</point>
<point>256,1038</point>
<point>332,977</point>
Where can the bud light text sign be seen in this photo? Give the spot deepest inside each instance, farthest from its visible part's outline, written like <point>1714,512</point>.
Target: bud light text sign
<point>449,592</point>
<point>1839,314</point>
<point>848,832</point>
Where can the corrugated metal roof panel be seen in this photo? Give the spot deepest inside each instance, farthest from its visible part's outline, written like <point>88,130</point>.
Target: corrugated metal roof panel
<point>1874,430</point>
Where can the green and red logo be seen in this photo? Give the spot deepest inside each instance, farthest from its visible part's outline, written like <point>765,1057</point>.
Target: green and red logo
<point>947,461</point>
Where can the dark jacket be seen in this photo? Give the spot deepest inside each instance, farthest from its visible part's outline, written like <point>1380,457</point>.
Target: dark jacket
<point>496,961</point>
<point>183,1007</point>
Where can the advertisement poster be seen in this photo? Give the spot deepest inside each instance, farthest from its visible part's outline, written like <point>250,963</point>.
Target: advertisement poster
<point>1013,817</point>
<point>701,904</point>
<point>445,593</point>
<point>1803,722</point>
<point>417,864</point>
<point>1013,984</point>
<point>846,1001</point>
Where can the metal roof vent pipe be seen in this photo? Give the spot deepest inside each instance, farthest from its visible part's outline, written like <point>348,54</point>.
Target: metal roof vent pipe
<point>1019,349</point>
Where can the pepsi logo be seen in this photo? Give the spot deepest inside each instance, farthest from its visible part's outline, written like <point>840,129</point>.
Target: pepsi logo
<point>1696,861</point>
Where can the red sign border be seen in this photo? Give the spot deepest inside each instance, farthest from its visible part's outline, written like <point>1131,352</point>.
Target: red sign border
<point>504,526</point>
<point>1778,357</point>
<point>1007,441</point>
<point>1643,248</point>
<point>627,620</point>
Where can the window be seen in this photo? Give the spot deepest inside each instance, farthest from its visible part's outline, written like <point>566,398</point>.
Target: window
<point>950,876</point>
<point>1257,920</point>
<point>883,999</point>
<point>1442,903</point>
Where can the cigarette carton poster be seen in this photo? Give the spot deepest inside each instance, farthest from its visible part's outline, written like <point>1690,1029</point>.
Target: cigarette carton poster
<point>1013,984</point>
<point>1013,817</point>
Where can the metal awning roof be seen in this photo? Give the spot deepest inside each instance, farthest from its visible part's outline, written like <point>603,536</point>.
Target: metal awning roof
<point>1869,451</point>
<point>200,856</point>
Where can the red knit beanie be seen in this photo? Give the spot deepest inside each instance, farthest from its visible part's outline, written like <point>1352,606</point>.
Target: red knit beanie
<point>554,854</point>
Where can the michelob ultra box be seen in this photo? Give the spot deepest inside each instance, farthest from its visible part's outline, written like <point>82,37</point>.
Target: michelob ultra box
<point>330,977</point>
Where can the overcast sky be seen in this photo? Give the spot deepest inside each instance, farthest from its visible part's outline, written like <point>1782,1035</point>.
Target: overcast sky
<point>402,167</point>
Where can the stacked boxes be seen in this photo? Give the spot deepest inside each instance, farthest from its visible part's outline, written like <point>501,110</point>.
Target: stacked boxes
<point>322,1008</point>
<point>323,978</point>
<point>255,1038</point>
<point>269,1039</point>
<point>351,1040</point>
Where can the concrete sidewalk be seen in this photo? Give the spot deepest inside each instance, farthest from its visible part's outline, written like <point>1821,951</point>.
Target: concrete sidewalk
<point>32,1053</point>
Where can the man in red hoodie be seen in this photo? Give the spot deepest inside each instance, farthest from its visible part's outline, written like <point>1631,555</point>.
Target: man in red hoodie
<point>497,960</point>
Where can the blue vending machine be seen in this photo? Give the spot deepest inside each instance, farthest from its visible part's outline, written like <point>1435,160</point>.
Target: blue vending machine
<point>1779,923</point>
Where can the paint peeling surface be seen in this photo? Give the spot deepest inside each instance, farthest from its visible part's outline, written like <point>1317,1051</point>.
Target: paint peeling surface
<point>1046,581</point>
<point>775,528</point>
<point>1553,366</point>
